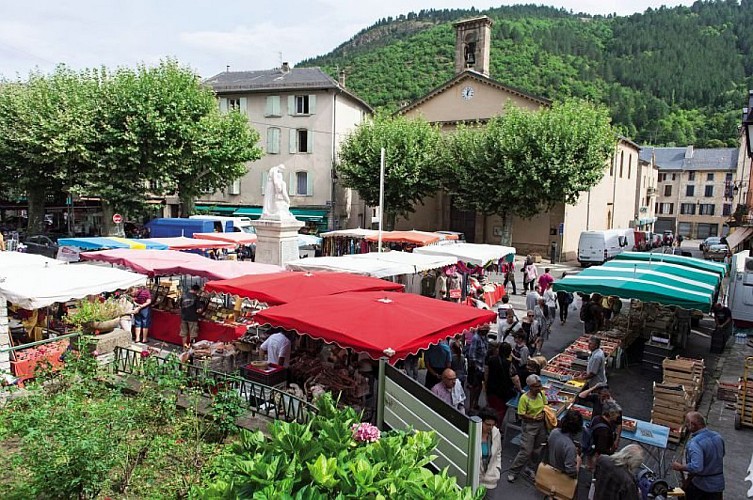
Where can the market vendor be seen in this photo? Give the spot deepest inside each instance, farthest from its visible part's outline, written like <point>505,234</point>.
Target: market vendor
<point>597,362</point>
<point>722,319</point>
<point>190,308</point>
<point>277,348</point>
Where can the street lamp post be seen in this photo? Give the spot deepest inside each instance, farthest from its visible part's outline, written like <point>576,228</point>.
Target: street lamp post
<point>748,124</point>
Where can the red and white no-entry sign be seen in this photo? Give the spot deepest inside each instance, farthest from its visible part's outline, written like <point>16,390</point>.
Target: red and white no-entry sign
<point>117,218</point>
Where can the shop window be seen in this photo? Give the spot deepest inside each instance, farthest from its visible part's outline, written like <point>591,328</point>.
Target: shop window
<point>703,231</point>
<point>684,229</point>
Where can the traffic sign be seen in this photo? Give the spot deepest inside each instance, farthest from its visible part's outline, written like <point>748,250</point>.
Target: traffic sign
<point>117,218</point>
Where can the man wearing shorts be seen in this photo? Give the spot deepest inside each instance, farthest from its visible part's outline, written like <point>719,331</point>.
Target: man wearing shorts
<point>142,313</point>
<point>190,308</point>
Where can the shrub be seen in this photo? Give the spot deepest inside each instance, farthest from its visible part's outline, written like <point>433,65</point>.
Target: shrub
<point>321,459</point>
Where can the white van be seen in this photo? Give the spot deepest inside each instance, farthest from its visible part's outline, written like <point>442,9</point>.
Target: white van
<point>240,224</point>
<point>597,247</point>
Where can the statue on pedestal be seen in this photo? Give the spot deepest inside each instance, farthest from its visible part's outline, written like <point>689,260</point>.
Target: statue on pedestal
<point>276,199</point>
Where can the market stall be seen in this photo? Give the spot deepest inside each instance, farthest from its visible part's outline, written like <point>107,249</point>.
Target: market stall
<point>183,243</point>
<point>692,262</point>
<point>281,288</point>
<point>376,264</point>
<point>644,285</point>
<point>473,260</point>
<point>172,262</point>
<point>398,324</point>
<point>346,241</point>
<point>698,275</point>
<point>98,243</point>
<point>223,326</point>
<point>238,237</point>
<point>32,283</point>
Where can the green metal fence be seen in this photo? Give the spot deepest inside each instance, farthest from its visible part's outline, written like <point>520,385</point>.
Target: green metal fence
<point>261,399</point>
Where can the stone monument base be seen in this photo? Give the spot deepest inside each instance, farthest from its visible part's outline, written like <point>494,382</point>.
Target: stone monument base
<point>277,240</point>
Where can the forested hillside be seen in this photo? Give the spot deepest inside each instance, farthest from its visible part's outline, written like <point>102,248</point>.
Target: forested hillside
<point>671,76</point>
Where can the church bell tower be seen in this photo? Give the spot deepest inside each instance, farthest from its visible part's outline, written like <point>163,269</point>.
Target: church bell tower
<point>473,44</point>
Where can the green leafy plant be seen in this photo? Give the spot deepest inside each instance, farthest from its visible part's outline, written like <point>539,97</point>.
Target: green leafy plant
<point>321,459</point>
<point>89,312</point>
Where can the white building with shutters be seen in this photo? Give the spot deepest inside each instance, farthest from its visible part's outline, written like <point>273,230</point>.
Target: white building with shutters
<point>302,115</point>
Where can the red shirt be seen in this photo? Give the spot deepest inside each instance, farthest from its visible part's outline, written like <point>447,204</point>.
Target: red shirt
<point>545,280</point>
<point>142,296</point>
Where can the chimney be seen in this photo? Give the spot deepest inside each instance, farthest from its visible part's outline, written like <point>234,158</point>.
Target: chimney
<point>689,153</point>
<point>341,78</point>
<point>473,38</point>
<point>285,69</point>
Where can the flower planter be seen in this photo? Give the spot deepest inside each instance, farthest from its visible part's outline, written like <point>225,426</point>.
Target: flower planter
<point>102,326</point>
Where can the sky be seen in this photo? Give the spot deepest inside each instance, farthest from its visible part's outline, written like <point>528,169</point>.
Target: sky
<point>209,36</point>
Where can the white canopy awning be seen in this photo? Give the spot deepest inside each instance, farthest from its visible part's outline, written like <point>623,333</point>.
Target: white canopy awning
<point>472,253</point>
<point>32,288</point>
<point>419,262</point>
<point>378,265</point>
<point>17,260</point>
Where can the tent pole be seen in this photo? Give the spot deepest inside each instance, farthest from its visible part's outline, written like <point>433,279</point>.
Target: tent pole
<point>381,200</point>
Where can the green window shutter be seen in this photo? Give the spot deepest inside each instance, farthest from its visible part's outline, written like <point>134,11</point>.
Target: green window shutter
<point>273,138</point>
<point>309,141</point>
<point>293,140</point>
<point>276,105</point>
<point>223,105</point>
<point>291,183</point>
<point>309,184</point>
<point>276,140</point>
<point>268,106</point>
<point>291,105</point>
<point>312,104</point>
<point>244,105</point>
<point>264,176</point>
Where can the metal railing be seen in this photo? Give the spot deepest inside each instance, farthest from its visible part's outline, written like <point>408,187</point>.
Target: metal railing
<point>261,399</point>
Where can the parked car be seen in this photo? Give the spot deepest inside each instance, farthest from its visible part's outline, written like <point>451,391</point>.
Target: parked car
<point>42,245</point>
<point>708,242</point>
<point>715,248</point>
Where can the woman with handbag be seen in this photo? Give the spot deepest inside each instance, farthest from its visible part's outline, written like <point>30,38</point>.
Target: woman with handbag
<point>491,451</point>
<point>558,477</point>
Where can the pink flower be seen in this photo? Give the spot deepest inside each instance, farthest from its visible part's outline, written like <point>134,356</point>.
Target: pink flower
<point>365,433</point>
<point>95,353</point>
<point>144,354</point>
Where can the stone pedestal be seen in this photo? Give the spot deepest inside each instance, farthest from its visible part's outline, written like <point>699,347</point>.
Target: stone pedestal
<point>277,241</point>
<point>107,342</point>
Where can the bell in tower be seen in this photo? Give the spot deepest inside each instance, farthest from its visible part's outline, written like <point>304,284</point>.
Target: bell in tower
<point>472,44</point>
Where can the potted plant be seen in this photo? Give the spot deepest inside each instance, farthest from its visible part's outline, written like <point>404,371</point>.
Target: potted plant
<point>94,316</point>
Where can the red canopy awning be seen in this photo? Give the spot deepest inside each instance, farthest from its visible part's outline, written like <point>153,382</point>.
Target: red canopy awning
<point>183,243</point>
<point>238,238</point>
<point>377,323</point>
<point>414,237</point>
<point>171,262</point>
<point>282,288</point>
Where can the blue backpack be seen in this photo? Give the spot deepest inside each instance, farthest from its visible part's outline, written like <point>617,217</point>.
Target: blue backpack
<point>587,442</point>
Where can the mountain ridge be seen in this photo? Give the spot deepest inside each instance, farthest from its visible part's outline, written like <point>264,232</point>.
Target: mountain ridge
<point>670,76</point>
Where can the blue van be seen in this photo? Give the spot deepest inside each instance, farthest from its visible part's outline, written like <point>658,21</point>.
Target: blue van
<point>169,227</point>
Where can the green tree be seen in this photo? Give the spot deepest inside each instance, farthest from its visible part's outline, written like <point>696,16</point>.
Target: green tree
<point>525,162</point>
<point>45,134</point>
<point>411,172</point>
<point>160,131</point>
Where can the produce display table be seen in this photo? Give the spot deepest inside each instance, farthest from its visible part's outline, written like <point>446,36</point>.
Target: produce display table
<point>27,360</point>
<point>166,327</point>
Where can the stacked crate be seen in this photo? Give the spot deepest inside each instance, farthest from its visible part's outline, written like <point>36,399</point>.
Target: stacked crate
<point>688,373</point>
<point>671,403</point>
<point>678,394</point>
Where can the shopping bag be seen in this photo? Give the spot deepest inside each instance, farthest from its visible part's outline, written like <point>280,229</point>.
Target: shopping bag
<point>555,483</point>
<point>550,417</point>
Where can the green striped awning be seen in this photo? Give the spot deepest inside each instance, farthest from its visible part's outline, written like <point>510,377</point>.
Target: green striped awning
<point>641,284</point>
<point>216,209</point>
<point>692,262</point>
<point>708,277</point>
